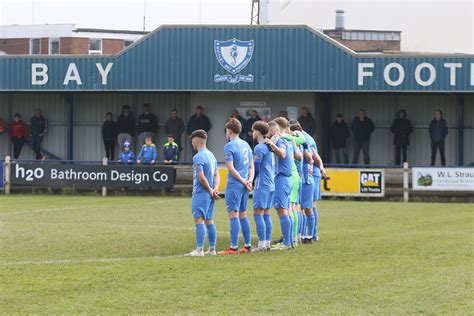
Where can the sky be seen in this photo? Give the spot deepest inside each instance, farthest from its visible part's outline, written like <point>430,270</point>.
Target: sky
<point>427,26</point>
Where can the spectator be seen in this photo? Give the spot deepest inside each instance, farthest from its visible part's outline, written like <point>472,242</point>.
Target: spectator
<point>170,151</point>
<point>38,128</point>
<point>127,157</point>
<point>147,155</point>
<point>198,121</point>
<point>339,134</point>
<point>438,131</point>
<point>109,135</point>
<point>3,125</point>
<point>175,126</point>
<point>283,113</point>
<point>235,114</point>
<point>362,127</point>
<point>307,122</point>
<point>147,125</point>
<point>401,128</point>
<point>265,119</point>
<point>248,126</point>
<point>126,126</point>
<point>18,134</point>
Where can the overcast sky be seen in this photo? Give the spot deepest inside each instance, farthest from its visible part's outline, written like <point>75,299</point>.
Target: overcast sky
<point>429,26</point>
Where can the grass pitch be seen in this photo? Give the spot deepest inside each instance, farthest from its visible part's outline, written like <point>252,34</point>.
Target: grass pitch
<point>71,255</point>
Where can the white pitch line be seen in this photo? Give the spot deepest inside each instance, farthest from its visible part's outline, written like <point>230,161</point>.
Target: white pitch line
<point>92,260</point>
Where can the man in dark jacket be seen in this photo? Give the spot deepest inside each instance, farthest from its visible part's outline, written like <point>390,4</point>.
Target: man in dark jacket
<point>248,127</point>
<point>147,125</point>
<point>438,131</point>
<point>175,126</point>
<point>109,135</point>
<point>307,122</point>
<point>198,121</point>
<point>235,114</point>
<point>362,127</point>
<point>401,128</point>
<point>339,134</point>
<point>38,128</point>
<point>126,126</point>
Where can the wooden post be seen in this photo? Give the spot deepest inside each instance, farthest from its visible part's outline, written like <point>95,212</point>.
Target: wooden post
<point>406,184</point>
<point>8,173</point>
<point>104,163</point>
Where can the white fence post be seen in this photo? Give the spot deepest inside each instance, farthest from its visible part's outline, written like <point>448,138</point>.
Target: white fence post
<point>8,175</point>
<point>406,184</point>
<point>104,163</point>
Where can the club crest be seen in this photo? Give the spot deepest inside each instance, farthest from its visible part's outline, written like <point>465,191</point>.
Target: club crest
<point>233,55</point>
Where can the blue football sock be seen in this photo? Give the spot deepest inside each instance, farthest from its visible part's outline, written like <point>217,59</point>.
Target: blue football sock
<point>315,231</point>
<point>291,228</point>
<point>305,223</point>
<point>300,223</point>
<point>286,229</point>
<point>212,235</point>
<point>245,224</point>
<point>200,235</point>
<point>268,226</point>
<point>310,224</point>
<point>234,232</point>
<point>260,224</point>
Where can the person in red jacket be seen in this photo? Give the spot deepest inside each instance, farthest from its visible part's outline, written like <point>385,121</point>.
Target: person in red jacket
<point>18,134</point>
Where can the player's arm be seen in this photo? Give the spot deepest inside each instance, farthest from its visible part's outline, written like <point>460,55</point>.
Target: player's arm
<point>249,183</point>
<point>279,151</point>
<point>319,162</point>
<point>205,184</point>
<point>298,154</point>
<point>310,161</point>
<point>217,182</point>
<point>234,173</point>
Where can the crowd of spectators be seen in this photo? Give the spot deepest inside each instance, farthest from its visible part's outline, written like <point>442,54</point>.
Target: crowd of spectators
<point>144,128</point>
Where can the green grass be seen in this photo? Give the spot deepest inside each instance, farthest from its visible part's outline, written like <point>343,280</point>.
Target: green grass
<point>70,255</point>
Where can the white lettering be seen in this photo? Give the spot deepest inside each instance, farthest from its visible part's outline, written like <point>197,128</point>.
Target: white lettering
<point>72,74</point>
<point>401,74</point>
<point>104,73</point>
<point>431,78</point>
<point>362,73</point>
<point>452,72</point>
<point>159,177</point>
<point>39,70</point>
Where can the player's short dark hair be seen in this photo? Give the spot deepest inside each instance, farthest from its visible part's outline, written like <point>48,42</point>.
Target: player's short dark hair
<point>296,127</point>
<point>200,133</point>
<point>339,115</point>
<point>108,113</point>
<point>260,126</point>
<point>234,125</point>
<point>282,122</point>
<point>199,107</point>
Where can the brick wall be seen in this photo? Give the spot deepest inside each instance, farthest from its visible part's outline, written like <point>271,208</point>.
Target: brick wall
<point>45,46</point>
<point>112,46</point>
<point>19,46</point>
<point>371,46</point>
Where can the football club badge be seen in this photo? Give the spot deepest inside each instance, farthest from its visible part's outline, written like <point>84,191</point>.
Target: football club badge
<point>233,55</point>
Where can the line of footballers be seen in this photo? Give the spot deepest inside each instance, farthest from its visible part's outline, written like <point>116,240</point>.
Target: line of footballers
<point>283,171</point>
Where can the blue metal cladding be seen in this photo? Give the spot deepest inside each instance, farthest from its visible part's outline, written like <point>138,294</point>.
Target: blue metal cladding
<point>285,58</point>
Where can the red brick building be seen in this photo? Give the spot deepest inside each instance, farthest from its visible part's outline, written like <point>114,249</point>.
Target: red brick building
<point>366,41</point>
<point>55,39</point>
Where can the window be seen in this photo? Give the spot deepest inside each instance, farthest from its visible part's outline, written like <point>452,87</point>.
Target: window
<point>127,43</point>
<point>35,46</point>
<point>95,46</point>
<point>54,46</point>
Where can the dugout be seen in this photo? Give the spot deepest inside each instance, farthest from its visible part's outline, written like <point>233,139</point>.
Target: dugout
<point>225,67</point>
